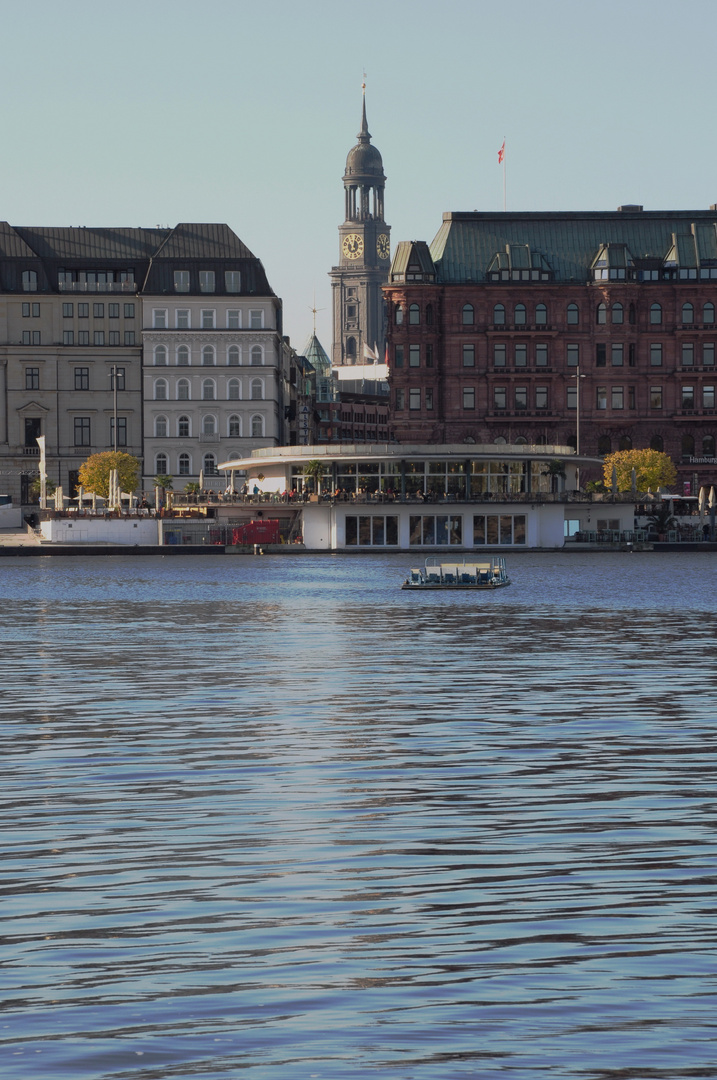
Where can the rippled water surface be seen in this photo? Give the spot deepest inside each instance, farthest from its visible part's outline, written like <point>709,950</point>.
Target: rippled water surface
<point>275,818</point>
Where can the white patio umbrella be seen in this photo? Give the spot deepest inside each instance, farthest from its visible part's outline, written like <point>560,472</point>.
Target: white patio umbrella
<point>702,506</point>
<point>712,503</point>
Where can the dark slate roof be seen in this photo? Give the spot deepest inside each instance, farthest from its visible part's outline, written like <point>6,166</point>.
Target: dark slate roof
<point>467,243</point>
<point>189,241</point>
<point>92,245</point>
<point>12,245</point>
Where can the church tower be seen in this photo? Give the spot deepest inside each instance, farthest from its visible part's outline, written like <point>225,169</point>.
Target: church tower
<point>364,258</point>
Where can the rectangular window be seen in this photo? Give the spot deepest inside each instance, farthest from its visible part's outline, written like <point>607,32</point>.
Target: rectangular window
<point>371,530</point>
<point>82,431</point>
<point>68,337</point>
<point>655,354</point>
<point>207,319</point>
<point>182,318</point>
<point>573,355</point>
<point>601,355</point>
<point>114,337</point>
<point>32,378</point>
<point>26,311</point>
<point>688,354</point>
<point>655,397</point>
<point>99,337</point>
<point>469,397</point>
<point>498,529</point>
<point>414,399</point>
<point>429,397</point>
<point>113,311</point>
<point>708,353</point>
<point>708,397</point>
<point>469,356</point>
<point>129,337</point>
<point>541,397</point>
<point>256,320</point>
<point>35,311</point>
<point>571,397</point>
<point>617,397</point>
<point>631,354</point>
<point>83,337</point>
<point>83,311</point>
<point>601,397</point>
<point>521,397</point>
<point>37,337</point>
<point>121,431</point>
<point>233,320</point>
<point>26,338</point>
<point>499,356</point>
<point>414,355</point>
<point>98,311</point>
<point>67,311</point>
<point>521,355</point>
<point>398,356</point>
<point>688,397</point>
<point>206,281</point>
<point>117,373</point>
<point>441,529</point>
<point>541,355</point>
<point>232,281</point>
<point>500,397</point>
<point>129,311</point>
<point>82,378</point>
<point>631,397</point>
<point>616,358</point>
<point>159,319</point>
<point>400,399</point>
<point>181,281</point>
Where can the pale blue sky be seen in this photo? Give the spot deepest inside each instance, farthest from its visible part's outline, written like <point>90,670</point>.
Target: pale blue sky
<point>154,112</point>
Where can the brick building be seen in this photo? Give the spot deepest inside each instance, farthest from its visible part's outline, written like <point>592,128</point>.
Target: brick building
<point>554,328</point>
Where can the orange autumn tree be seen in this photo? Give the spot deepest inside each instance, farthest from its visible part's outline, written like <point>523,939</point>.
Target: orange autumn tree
<point>653,469</point>
<point>95,472</point>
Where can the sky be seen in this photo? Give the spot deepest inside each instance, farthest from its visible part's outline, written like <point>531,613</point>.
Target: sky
<point>161,111</point>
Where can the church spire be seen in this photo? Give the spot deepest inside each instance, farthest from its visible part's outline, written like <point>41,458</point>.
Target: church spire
<point>364,135</point>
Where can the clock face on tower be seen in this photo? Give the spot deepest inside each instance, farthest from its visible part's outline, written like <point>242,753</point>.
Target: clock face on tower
<point>352,246</point>
<point>383,246</point>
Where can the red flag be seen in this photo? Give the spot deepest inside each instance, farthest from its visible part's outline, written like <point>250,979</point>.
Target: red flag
<point>501,153</point>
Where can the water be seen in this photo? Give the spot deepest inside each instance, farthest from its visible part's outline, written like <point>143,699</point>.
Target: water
<point>276,818</point>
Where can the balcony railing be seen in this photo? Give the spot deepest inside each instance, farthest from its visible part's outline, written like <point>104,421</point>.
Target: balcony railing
<point>97,286</point>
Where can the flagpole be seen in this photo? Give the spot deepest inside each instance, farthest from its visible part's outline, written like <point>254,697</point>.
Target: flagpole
<point>505,196</point>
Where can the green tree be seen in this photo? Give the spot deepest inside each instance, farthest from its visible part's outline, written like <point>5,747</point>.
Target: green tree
<point>95,472</point>
<point>653,469</point>
<point>554,469</point>
<point>164,481</point>
<point>191,488</point>
<point>314,469</point>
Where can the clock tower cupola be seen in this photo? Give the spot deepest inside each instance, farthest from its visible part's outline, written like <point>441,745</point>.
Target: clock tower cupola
<point>364,257</point>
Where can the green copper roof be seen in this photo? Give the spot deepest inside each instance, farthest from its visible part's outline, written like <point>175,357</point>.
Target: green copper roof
<point>317,356</point>
<point>469,244</point>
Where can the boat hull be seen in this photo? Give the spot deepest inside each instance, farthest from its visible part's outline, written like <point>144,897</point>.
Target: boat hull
<point>453,587</point>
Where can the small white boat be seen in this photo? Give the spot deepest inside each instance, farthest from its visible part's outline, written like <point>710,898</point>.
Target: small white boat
<point>487,574</point>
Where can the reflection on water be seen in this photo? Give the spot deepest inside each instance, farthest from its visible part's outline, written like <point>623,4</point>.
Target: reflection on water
<point>274,816</point>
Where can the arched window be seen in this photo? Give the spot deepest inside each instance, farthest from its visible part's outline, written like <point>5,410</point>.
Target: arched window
<point>233,356</point>
<point>184,427</point>
<point>160,427</point>
<point>541,315</point>
<point>161,464</point>
<point>209,425</point>
<point>183,356</point>
<point>399,315</point>
<point>708,312</point>
<point>604,445</point>
<point>257,355</point>
<point>617,313</point>
<point>414,315</point>
<point>183,390</point>
<point>208,390</point>
<point>351,350</point>
<point>573,314</point>
<point>499,315</point>
<point>688,313</point>
<point>656,443</point>
<point>429,314</point>
<point>521,441</point>
<point>234,427</point>
<point>160,389</point>
<point>257,390</point>
<point>520,317</point>
<point>708,446</point>
<point>688,445</point>
<point>210,465</point>
<point>468,315</point>
<point>655,314</point>
<point>233,390</point>
<point>160,355</point>
<point>500,440</point>
<point>601,314</point>
<point>625,443</point>
<point>208,356</point>
<point>257,427</point>
<point>185,465</point>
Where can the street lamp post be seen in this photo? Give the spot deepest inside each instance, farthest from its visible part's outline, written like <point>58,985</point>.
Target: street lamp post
<point>113,376</point>
<point>577,376</point>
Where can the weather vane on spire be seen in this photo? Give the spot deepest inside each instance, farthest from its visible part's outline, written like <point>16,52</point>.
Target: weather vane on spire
<point>314,310</point>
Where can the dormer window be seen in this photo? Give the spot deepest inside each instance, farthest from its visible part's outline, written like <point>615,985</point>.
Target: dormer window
<point>206,281</point>
<point>181,281</point>
<point>29,281</point>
